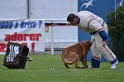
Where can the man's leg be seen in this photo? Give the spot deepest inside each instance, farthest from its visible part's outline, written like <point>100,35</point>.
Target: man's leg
<point>96,56</point>
<point>105,51</point>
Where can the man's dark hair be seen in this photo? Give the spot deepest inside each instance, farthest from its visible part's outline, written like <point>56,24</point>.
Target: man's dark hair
<point>71,17</point>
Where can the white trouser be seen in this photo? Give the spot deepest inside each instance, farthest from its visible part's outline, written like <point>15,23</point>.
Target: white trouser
<point>99,48</point>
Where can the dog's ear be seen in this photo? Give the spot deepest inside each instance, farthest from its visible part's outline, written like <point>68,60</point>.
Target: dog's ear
<point>89,43</point>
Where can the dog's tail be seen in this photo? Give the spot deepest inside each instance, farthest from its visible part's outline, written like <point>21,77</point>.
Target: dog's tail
<point>69,59</point>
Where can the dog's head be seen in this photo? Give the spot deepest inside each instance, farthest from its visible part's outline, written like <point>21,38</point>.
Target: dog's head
<point>87,42</point>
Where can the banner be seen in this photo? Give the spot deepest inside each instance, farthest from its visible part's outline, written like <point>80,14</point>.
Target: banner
<point>27,32</point>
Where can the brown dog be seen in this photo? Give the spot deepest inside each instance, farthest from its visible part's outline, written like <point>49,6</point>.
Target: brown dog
<point>76,52</point>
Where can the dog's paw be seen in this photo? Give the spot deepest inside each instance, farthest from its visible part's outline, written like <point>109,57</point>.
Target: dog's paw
<point>84,67</point>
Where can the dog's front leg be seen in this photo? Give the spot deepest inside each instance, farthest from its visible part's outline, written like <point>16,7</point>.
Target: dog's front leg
<point>84,62</point>
<point>76,65</point>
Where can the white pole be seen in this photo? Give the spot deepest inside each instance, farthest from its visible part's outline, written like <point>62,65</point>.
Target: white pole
<point>115,6</point>
<point>52,39</point>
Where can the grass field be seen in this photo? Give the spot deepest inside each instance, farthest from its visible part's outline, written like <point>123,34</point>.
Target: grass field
<point>49,68</point>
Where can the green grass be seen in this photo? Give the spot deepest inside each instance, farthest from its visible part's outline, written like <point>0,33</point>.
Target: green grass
<point>49,68</point>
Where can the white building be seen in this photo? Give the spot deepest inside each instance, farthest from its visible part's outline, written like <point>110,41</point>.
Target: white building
<point>54,11</point>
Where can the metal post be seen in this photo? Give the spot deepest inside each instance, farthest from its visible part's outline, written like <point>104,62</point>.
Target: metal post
<point>115,6</point>
<point>52,39</point>
<point>28,9</point>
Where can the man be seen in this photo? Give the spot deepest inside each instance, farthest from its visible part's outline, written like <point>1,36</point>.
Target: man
<point>98,29</point>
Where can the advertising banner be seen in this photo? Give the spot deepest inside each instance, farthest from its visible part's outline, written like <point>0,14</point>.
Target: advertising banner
<point>27,32</point>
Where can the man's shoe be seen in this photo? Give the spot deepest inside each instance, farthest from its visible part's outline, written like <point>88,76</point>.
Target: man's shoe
<point>114,65</point>
<point>92,67</point>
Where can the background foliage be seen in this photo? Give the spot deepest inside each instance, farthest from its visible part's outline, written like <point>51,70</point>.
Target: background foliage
<point>115,21</point>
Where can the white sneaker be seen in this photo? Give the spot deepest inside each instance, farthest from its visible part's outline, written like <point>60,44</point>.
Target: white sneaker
<point>113,66</point>
<point>90,67</point>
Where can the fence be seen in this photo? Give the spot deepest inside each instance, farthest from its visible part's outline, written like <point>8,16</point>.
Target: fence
<point>59,34</point>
